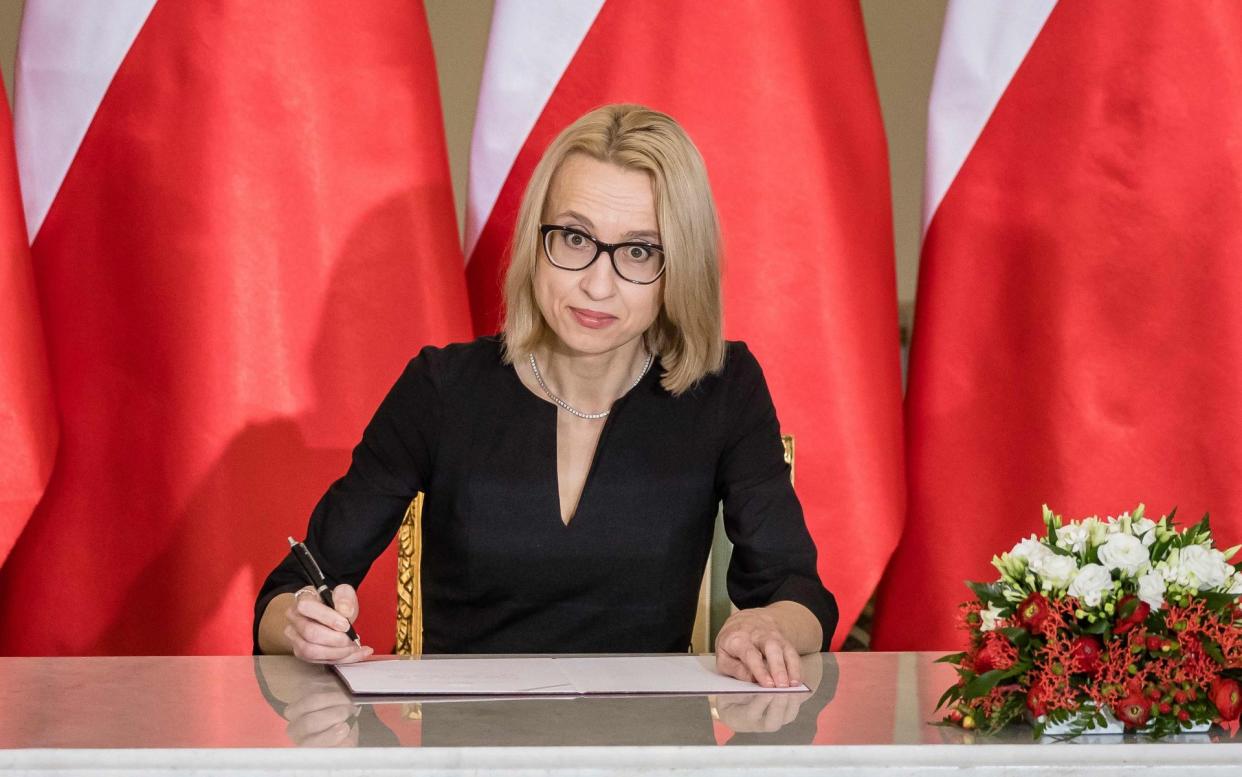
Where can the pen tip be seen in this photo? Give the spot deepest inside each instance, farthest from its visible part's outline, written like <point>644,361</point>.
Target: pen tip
<point>292,542</point>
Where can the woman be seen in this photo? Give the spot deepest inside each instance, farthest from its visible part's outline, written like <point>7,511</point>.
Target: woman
<point>573,466</point>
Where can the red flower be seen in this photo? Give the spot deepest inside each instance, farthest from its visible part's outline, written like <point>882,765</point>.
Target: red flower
<point>1033,611</point>
<point>1227,697</point>
<point>1136,616</point>
<point>995,653</point>
<point>1037,699</point>
<point>1085,653</point>
<point>1133,710</point>
<point>984,660</point>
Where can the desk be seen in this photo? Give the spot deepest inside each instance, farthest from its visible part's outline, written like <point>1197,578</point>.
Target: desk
<point>274,715</point>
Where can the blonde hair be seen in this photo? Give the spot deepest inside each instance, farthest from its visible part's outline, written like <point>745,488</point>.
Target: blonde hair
<point>686,334</point>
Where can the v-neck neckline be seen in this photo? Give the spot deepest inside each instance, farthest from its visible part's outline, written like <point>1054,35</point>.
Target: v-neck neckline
<point>553,410</point>
<point>586,481</point>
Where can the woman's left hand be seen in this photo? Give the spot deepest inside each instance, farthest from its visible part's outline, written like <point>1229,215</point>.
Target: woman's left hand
<point>752,647</point>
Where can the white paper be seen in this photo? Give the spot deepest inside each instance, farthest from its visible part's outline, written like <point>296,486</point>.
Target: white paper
<point>544,676</point>
<point>455,677</point>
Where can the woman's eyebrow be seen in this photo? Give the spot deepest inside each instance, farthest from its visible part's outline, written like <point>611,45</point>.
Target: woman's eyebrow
<point>576,216</point>
<point>646,234</point>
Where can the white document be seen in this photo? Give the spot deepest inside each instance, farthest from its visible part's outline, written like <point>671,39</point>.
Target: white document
<point>545,676</point>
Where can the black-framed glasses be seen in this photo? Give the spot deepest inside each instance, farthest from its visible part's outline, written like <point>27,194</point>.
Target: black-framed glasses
<point>572,249</point>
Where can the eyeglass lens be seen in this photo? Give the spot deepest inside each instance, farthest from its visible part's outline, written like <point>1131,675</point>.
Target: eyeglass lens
<point>572,250</point>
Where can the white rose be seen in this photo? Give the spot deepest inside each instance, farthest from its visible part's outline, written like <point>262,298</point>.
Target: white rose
<point>1090,584</point>
<point>1030,549</point>
<point>1055,570</point>
<point>1142,528</point>
<point>1073,537</point>
<point>1151,589</point>
<point>989,617</point>
<point>1125,553</point>
<point>1203,568</point>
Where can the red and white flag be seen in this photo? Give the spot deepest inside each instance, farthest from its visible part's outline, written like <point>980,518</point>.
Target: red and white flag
<point>1080,302</point>
<point>27,417</point>
<point>781,100</point>
<point>242,228</point>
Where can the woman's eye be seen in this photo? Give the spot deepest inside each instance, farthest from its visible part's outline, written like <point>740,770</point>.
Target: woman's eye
<point>575,240</point>
<point>637,254</point>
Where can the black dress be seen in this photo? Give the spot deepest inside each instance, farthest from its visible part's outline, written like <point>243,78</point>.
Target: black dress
<point>502,573</point>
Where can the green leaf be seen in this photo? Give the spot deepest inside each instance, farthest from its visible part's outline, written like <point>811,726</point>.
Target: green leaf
<point>1017,636</point>
<point>952,658</point>
<point>1096,627</point>
<point>1198,532</point>
<point>984,683</point>
<point>1216,600</point>
<point>1160,550</point>
<point>1213,650</point>
<point>953,694</point>
<point>988,593</point>
<point>1127,609</point>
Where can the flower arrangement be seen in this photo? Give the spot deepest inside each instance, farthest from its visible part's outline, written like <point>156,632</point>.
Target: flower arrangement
<point>1121,617</point>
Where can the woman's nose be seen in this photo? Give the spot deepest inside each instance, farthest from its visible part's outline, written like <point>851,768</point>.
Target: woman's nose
<point>599,280</point>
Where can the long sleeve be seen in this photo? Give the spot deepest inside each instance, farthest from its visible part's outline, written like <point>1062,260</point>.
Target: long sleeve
<point>358,516</point>
<point>774,558</point>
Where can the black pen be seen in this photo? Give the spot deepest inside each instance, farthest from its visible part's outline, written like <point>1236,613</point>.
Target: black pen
<point>317,581</point>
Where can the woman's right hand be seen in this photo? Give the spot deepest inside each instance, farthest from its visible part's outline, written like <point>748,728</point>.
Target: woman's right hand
<point>316,632</point>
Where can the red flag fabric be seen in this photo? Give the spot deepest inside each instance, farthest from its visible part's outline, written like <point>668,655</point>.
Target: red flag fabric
<point>255,233</point>
<point>781,101</point>
<point>27,418</point>
<point>1078,324</point>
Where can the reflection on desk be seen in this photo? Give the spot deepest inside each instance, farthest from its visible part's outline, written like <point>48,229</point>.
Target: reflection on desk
<point>321,713</point>
<point>869,713</point>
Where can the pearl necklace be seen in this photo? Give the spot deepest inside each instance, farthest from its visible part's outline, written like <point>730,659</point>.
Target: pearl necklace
<point>570,408</point>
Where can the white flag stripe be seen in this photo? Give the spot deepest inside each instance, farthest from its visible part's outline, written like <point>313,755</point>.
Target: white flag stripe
<point>67,56</point>
<point>982,45</point>
<point>531,44</point>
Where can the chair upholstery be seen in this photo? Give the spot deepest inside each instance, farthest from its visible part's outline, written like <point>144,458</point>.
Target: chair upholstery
<point>712,609</point>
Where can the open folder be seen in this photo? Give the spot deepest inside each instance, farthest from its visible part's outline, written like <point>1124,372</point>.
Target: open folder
<point>543,676</point>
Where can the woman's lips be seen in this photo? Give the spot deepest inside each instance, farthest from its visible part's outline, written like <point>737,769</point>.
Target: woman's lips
<point>592,319</point>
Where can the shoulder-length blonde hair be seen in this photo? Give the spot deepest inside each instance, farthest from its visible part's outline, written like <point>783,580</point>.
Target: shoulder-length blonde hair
<point>686,334</point>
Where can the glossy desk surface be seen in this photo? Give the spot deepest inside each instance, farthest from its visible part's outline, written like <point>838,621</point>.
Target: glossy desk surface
<point>241,715</point>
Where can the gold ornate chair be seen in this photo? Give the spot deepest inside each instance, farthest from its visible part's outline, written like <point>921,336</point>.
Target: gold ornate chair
<point>712,610</point>
<point>409,582</point>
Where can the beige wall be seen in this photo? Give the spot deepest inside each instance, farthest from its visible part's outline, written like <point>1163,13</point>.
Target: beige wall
<point>10,16</point>
<point>903,35</point>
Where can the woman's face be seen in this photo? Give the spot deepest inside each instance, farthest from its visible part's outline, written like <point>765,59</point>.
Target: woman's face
<point>594,311</point>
